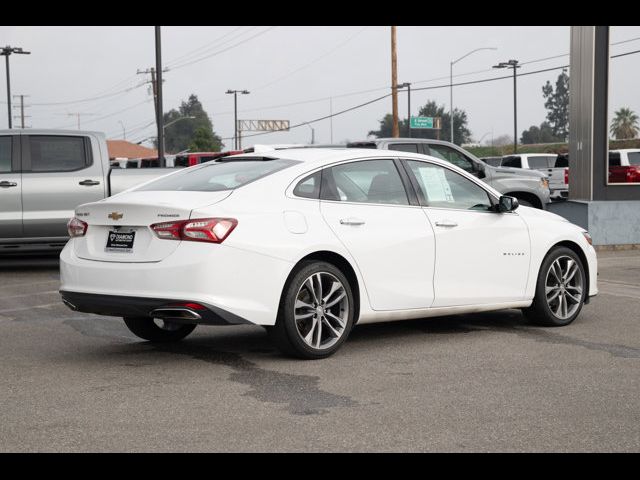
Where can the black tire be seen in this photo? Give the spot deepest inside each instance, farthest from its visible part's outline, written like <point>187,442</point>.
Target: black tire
<point>146,328</point>
<point>540,312</point>
<point>286,335</point>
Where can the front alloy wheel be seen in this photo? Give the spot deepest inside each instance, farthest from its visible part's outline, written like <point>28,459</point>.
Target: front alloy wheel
<point>560,290</point>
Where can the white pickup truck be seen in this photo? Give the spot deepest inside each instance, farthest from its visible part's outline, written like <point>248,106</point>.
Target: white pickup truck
<point>44,175</point>
<point>553,165</point>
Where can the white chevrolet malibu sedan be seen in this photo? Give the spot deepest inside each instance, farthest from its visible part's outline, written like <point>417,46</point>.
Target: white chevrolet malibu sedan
<point>310,242</point>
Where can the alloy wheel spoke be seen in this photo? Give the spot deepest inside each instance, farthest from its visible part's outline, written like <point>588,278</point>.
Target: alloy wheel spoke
<point>318,278</point>
<point>335,333</point>
<point>336,300</point>
<point>335,318</point>
<point>571,273</point>
<point>572,297</point>
<point>319,334</point>
<point>557,271</point>
<point>309,337</point>
<point>554,296</point>
<point>311,288</point>
<point>567,269</point>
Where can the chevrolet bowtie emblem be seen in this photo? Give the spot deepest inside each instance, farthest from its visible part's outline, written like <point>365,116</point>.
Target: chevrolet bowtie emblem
<point>115,215</point>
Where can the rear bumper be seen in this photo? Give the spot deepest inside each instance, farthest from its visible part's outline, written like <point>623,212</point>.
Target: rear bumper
<point>230,282</point>
<point>123,306</point>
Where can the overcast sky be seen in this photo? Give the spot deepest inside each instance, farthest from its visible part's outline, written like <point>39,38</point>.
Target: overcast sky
<point>288,64</point>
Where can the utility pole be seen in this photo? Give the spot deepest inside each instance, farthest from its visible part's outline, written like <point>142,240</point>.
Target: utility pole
<point>159,115</point>
<point>408,87</point>
<point>6,51</point>
<point>22,116</point>
<point>331,117</point>
<point>236,132</point>
<point>78,115</point>
<point>394,83</point>
<point>514,64</point>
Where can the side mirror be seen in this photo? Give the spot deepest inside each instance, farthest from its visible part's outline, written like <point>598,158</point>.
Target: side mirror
<point>507,204</point>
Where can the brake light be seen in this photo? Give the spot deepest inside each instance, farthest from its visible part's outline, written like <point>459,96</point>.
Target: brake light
<point>566,176</point>
<point>191,305</point>
<point>213,230</point>
<point>76,227</point>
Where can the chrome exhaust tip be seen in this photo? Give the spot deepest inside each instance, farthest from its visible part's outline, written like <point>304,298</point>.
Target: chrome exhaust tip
<point>175,313</point>
<point>70,305</point>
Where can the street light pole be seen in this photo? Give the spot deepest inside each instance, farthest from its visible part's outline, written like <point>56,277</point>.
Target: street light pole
<point>451,86</point>
<point>124,132</point>
<point>408,87</point>
<point>235,113</point>
<point>313,133</point>
<point>514,64</point>
<point>6,51</point>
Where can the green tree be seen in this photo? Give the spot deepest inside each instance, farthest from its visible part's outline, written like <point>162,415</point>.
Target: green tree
<point>461,133</point>
<point>186,133</point>
<point>541,134</point>
<point>557,105</point>
<point>624,124</point>
<point>204,141</point>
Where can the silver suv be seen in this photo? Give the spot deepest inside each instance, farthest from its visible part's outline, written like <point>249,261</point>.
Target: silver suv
<point>530,187</point>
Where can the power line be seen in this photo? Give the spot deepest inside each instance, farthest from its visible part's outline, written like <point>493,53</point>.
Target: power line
<point>447,85</point>
<point>209,46</point>
<point>223,50</point>
<point>316,60</point>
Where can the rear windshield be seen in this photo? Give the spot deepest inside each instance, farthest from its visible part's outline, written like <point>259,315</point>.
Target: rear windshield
<point>215,177</point>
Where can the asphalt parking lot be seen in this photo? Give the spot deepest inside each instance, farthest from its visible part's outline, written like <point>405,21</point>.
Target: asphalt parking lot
<point>485,382</point>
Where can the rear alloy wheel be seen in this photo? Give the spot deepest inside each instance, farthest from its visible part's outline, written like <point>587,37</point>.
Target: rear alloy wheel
<point>157,330</point>
<point>560,291</point>
<point>316,314</point>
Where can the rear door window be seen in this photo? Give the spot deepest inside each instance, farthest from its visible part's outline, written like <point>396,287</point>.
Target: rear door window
<point>512,161</point>
<point>368,181</point>
<point>58,153</point>
<point>539,162</point>
<point>5,154</point>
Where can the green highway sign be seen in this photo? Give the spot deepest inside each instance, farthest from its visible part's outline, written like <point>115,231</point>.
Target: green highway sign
<point>425,122</point>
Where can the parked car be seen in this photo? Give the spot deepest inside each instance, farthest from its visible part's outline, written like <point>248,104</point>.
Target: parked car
<point>624,165</point>
<point>551,164</point>
<point>309,242</point>
<point>44,174</point>
<point>531,188</point>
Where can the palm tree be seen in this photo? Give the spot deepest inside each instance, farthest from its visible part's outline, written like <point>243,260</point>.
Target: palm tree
<point>625,124</point>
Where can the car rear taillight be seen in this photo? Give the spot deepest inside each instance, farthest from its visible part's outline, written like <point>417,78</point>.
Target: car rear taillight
<point>213,230</point>
<point>76,227</point>
<point>566,176</point>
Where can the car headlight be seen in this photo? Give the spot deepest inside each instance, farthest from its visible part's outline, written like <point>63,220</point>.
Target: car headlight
<point>544,182</point>
<point>587,237</point>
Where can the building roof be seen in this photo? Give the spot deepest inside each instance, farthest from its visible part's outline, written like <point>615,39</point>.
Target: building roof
<point>124,149</point>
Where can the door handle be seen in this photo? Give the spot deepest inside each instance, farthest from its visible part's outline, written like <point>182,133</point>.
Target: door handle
<point>88,183</point>
<point>351,221</point>
<point>446,223</point>
<point>6,184</point>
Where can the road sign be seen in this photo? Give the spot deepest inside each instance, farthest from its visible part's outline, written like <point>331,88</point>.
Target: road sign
<point>425,123</point>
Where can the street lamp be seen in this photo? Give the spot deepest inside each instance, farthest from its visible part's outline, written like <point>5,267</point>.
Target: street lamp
<point>171,123</point>
<point>513,64</point>
<point>6,51</point>
<point>451,85</point>
<point>408,87</point>
<point>235,114</point>
<point>124,132</point>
